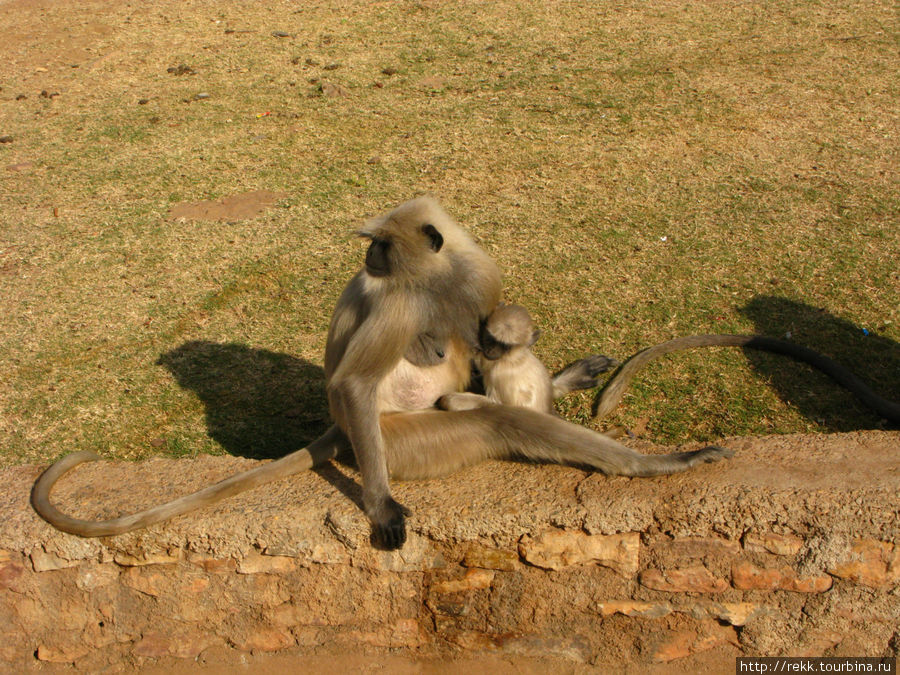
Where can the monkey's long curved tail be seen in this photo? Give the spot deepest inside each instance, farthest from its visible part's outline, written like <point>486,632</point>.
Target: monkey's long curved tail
<point>320,450</point>
<point>615,389</point>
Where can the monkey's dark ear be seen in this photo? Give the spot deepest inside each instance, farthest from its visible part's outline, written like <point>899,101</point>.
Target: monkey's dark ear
<point>435,238</point>
<point>534,337</point>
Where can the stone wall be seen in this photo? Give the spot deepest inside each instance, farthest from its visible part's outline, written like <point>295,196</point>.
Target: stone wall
<point>792,548</point>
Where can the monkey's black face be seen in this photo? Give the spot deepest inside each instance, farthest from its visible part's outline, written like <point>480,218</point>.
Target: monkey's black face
<point>378,261</point>
<point>491,348</point>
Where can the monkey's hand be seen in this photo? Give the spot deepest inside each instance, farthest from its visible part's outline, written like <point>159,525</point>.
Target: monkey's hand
<point>389,523</point>
<point>582,374</point>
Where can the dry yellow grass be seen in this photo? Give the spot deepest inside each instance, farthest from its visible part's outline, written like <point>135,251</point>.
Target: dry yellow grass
<point>640,171</point>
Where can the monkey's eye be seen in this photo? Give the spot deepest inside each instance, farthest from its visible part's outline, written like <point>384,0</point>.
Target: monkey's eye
<point>435,238</point>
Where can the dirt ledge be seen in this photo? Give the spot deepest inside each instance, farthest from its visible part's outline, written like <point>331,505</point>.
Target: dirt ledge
<point>791,548</point>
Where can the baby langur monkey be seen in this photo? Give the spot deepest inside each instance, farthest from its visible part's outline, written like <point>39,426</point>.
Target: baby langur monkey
<point>513,375</point>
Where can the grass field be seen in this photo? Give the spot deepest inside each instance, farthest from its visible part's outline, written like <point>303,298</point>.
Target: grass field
<point>639,171</point>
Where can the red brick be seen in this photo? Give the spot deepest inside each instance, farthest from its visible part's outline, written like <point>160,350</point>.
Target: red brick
<point>748,577</point>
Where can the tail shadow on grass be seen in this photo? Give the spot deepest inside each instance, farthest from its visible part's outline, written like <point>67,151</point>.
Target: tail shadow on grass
<point>259,404</point>
<point>873,358</point>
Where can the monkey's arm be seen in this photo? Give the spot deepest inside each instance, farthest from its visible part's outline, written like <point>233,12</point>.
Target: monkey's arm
<point>582,374</point>
<point>374,350</point>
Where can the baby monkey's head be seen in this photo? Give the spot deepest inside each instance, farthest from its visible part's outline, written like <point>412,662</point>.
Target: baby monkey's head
<point>508,327</point>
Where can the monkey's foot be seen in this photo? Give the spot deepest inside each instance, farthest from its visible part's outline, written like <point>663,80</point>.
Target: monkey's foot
<point>462,401</point>
<point>389,523</point>
<point>711,453</point>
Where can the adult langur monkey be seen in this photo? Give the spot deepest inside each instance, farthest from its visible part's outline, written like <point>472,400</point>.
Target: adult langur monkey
<point>402,335</point>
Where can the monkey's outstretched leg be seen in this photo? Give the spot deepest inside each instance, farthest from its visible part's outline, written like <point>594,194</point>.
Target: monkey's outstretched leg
<point>432,443</point>
<point>320,450</point>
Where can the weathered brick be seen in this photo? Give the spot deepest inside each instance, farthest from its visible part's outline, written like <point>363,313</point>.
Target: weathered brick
<point>733,613</point>
<point>196,585</point>
<point>403,633</point>
<point>61,653</point>
<point>535,646</point>
<point>10,573</point>
<point>92,577</point>
<point>712,634</point>
<point>556,549</point>
<point>128,560</point>
<point>474,579</point>
<point>872,563</point>
<point>683,643</point>
<point>676,645</point>
<point>634,608</point>
<point>746,576</point>
<point>42,561</point>
<point>146,580</point>
<point>264,639</point>
<point>779,544</point>
<point>153,645</point>
<point>696,579</point>
<point>418,554</point>
<point>211,564</point>
<point>263,590</point>
<point>491,558</point>
<point>266,564</point>
<point>575,649</point>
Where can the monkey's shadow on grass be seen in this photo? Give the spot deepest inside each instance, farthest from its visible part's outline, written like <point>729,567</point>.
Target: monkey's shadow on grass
<point>873,358</point>
<point>259,404</point>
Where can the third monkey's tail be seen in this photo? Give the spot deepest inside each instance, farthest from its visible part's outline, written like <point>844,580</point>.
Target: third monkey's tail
<point>617,386</point>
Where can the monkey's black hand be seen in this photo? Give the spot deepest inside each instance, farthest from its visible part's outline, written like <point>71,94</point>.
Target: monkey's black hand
<point>598,363</point>
<point>595,364</point>
<point>583,373</point>
<point>389,524</point>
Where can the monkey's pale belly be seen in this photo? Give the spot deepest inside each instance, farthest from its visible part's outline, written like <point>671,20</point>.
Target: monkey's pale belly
<point>410,387</point>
